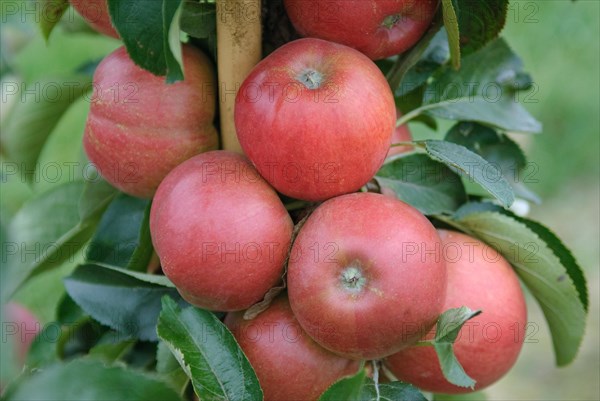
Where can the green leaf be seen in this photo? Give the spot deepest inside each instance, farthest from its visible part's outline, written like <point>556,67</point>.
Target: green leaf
<point>173,45</point>
<point>77,339</point>
<point>476,207</point>
<point>124,303</point>
<point>66,54</point>
<point>567,259</point>
<point>208,353</point>
<point>558,289</point>
<point>409,94</point>
<point>347,388</point>
<point>199,19</point>
<point>503,112</point>
<point>42,293</point>
<point>414,100</point>
<point>160,280</point>
<point>44,233</point>
<point>485,95</point>
<point>143,356</point>
<point>451,368</point>
<point>480,22</point>
<point>451,25</point>
<point>15,189</point>
<point>473,166</point>
<point>68,312</point>
<point>145,27</point>
<point>35,115</point>
<point>565,256</point>
<point>111,347</point>
<point>43,350</point>
<point>450,323</point>
<point>169,369</point>
<point>393,391</point>
<point>62,159</point>
<point>498,149</point>
<point>96,196</point>
<point>89,379</point>
<point>425,184</point>
<point>448,326</point>
<point>123,235</point>
<point>436,54</point>
<point>49,14</point>
<point>361,388</point>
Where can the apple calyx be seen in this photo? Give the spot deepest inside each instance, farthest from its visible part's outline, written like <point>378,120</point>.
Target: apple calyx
<point>352,278</point>
<point>311,79</point>
<point>391,20</point>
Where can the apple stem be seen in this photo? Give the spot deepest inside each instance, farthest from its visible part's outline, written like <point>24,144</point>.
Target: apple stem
<point>352,278</point>
<point>403,143</point>
<point>388,374</point>
<point>452,223</point>
<point>153,264</point>
<point>376,378</point>
<point>408,116</point>
<point>390,21</point>
<point>239,49</point>
<point>311,79</point>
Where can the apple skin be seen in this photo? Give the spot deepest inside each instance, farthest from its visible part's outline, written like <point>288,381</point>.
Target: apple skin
<point>366,277</point>
<point>220,231</point>
<point>290,366</point>
<point>401,134</point>
<point>95,12</point>
<point>139,128</point>
<point>377,28</point>
<point>489,344</point>
<point>314,144</point>
<point>25,327</point>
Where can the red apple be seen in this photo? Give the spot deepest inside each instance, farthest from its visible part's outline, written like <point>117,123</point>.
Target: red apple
<point>95,12</point>
<point>19,328</point>
<point>316,119</point>
<point>366,277</point>
<point>290,366</point>
<point>401,134</point>
<point>377,28</point>
<point>139,128</point>
<point>488,345</point>
<point>220,231</point>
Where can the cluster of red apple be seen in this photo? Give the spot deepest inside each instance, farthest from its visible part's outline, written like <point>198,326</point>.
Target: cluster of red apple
<point>367,274</point>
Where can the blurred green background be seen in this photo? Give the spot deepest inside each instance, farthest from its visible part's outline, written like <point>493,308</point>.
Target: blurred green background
<point>559,43</point>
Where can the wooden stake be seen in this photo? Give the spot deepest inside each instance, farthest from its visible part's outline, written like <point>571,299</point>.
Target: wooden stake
<point>239,35</point>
